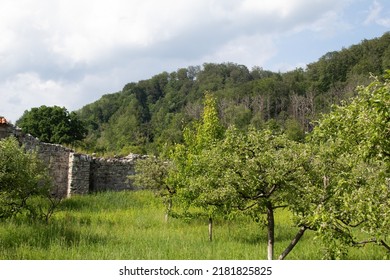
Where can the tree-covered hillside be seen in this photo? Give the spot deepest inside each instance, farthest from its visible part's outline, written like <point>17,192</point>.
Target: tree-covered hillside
<point>150,114</point>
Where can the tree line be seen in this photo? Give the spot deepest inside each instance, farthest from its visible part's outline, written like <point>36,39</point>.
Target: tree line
<point>146,116</point>
<point>149,115</point>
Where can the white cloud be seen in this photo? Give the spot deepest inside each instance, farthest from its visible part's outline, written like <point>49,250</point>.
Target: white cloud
<point>247,50</point>
<point>384,22</point>
<point>27,90</point>
<point>375,15</point>
<point>374,12</point>
<point>81,32</point>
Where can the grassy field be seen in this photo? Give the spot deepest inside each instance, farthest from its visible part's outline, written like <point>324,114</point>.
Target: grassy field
<point>130,225</point>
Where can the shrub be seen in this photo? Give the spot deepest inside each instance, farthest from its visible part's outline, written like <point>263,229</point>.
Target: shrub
<point>23,178</point>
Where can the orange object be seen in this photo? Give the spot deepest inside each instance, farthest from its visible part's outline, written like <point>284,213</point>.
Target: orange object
<point>3,120</point>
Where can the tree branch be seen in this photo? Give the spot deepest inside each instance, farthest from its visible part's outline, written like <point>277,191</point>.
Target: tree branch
<point>349,224</point>
<point>384,244</point>
<point>247,207</point>
<point>364,242</point>
<point>373,240</point>
<point>293,242</point>
<point>280,206</point>
<point>271,191</point>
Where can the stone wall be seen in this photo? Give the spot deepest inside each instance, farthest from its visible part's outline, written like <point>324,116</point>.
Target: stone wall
<point>75,173</point>
<point>79,174</point>
<point>111,174</point>
<point>55,157</point>
<point>5,130</point>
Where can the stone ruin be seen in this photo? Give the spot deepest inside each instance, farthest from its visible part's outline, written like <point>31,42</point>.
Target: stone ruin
<point>75,173</point>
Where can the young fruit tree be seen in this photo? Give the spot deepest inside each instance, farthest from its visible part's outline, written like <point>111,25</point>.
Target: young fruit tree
<point>353,157</point>
<point>256,173</point>
<point>191,193</point>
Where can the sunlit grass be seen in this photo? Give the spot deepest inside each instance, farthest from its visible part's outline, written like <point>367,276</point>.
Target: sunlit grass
<point>131,225</point>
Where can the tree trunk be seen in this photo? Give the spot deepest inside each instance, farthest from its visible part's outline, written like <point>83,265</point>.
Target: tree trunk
<point>293,243</point>
<point>210,229</point>
<point>271,231</point>
<point>169,207</point>
<point>268,107</point>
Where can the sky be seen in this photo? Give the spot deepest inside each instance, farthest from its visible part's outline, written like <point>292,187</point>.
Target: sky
<point>69,53</point>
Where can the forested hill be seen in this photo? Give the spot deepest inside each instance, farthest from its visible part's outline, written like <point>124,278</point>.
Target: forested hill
<point>147,115</point>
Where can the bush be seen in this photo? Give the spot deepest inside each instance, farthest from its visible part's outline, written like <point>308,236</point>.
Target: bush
<point>23,178</point>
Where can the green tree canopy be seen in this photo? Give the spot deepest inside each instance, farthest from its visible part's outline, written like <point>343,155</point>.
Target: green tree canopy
<point>361,126</point>
<point>52,124</point>
<point>353,158</point>
<point>254,173</point>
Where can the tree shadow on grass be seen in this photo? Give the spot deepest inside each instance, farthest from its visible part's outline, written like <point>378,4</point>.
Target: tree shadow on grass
<point>283,234</point>
<point>42,236</point>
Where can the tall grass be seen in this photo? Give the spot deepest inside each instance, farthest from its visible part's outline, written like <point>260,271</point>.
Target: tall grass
<point>130,225</point>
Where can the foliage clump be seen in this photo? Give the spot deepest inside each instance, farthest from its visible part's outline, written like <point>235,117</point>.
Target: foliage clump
<point>24,182</point>
<point>53,125</point>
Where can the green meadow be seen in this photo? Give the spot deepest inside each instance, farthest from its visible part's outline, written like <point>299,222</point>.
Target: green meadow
<point>131,225</point>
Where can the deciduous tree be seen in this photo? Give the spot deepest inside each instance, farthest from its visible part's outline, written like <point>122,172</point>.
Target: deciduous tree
<point>52,125</point>
<point>198,139</point>
<point>353,157</point>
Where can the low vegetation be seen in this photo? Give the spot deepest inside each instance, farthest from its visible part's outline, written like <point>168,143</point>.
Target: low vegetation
<point>25,187</point>
<point>131,225</point>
